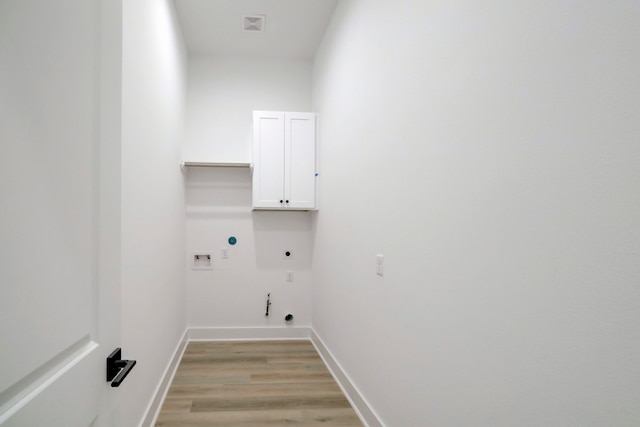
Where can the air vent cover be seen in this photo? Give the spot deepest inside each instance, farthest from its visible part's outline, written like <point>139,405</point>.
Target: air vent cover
<point>253,23</point>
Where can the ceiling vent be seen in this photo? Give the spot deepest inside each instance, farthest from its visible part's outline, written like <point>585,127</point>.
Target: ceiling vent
<point>253,23</point>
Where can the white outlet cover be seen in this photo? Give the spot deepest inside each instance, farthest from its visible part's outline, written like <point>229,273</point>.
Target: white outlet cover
<point>380,265</point>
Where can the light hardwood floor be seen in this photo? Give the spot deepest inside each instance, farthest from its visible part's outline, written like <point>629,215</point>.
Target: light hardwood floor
<point>254,383</point>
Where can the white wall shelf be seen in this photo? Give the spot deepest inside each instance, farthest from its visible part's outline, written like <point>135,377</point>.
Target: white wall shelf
<point>216,164</point>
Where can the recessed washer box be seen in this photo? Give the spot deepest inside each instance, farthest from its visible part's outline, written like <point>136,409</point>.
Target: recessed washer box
<point>202,260</point>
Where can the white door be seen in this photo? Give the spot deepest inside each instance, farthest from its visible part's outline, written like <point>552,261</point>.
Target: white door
<point>268,159</point>
<point>59,210</point>
<point>300,160</point>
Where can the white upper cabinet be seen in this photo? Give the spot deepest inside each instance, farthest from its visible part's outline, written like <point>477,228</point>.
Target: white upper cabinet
<point>284,160</point>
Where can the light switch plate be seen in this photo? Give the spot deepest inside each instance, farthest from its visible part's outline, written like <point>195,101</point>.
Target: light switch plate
<point>380,265</point>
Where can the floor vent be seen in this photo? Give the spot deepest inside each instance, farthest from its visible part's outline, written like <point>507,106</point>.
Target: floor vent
<point>253,23</point>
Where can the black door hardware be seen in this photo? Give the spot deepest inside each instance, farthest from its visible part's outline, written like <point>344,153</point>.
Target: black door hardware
<point>118,369</point>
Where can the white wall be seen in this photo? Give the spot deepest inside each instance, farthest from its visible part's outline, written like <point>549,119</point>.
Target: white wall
<point>222,93</point>
<point>153,218</point>
<point>489,150</point>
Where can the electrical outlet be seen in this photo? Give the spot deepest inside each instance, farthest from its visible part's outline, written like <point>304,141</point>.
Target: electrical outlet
<point>225,253</point>
<point>289,276</point>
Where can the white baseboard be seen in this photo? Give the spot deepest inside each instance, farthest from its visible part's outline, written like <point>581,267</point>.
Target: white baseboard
<point>233,334</point>
<point>153,410</point>
<point>359,403</point>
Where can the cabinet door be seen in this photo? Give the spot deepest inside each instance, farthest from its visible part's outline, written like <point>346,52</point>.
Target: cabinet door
<point>268,159</point>
<point>300,160</point>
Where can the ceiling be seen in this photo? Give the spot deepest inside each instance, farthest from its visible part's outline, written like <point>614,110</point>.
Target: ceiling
<point>293,28</point>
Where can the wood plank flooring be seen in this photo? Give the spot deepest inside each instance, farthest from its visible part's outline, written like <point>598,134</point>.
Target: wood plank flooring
<point>254,383</point>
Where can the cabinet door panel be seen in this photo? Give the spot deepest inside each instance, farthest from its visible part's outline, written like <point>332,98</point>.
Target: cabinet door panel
<point>268,159</point>
<point>300,150</point>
